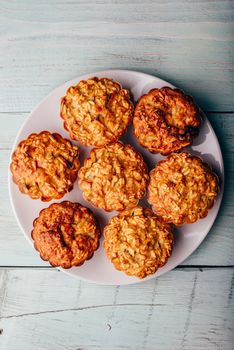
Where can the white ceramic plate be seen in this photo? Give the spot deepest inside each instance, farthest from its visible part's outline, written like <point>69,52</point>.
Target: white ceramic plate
<point>99,270</point>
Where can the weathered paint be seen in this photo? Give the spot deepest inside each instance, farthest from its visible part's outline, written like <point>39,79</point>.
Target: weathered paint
<point>45,43</point>
<point>184,309</point>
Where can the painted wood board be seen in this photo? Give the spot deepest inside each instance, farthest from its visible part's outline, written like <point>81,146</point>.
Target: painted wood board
<point>217,249</point>
<point>120,10</point>
<point>189,43</point>
<point>184,309</point>
<point>45,43</point>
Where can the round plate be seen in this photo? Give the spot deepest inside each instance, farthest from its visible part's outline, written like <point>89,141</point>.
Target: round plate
<point>99,269</point>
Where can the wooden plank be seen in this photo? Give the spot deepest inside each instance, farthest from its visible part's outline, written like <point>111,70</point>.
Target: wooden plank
<point>184,309</point>
<point>189,43</point>
<point>12,123</point>
<point>217,249</point>
<point>43,44</point>
<point>121,10</point>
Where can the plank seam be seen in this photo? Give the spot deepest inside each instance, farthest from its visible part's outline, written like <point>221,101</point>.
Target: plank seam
<point>176,268</point>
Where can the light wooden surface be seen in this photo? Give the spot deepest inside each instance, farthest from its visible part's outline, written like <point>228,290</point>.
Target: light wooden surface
<point>43,44</point>
<point>183,309</point>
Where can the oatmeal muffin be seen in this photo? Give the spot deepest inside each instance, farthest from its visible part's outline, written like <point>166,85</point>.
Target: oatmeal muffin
<point>166,120</point>
<point>114,177</point>
<point>65,234</point>
<point>182,188</point>
<point>96,111</point>
<point>138,242</point>
<point>45,166</point>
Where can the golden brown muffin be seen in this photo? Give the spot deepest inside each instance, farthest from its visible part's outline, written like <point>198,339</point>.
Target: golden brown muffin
<point>114,177</point>
<point>45,166</point>
<point>166,120</point>
<point>138,242</point>
<point>96,111</point>
<point>65,234</point>
<point>182,188</point>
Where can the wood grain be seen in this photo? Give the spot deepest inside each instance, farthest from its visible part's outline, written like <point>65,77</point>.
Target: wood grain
<point>184,309</point>
<point>217,249</point>
<point>189,43</point>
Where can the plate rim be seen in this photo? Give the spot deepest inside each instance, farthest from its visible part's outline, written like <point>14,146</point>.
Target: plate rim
<point>85,76</point>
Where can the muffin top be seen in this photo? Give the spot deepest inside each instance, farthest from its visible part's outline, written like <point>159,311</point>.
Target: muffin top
<point>138,242</point>
<point>166,120</point>
<point>182,188</point>
<point>65,234</point>
<point>45,166</point>
<point>96,111</point>
<point>114,177</point>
